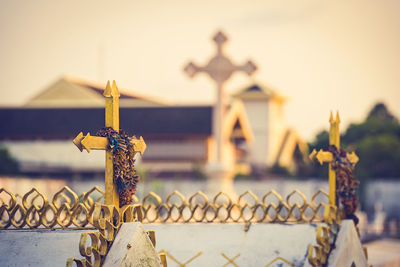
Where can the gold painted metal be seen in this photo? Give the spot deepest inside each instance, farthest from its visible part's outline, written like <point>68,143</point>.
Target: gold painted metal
<point>65,210</point>
<point>163,258</point>
<point>88,142</point>
<point>69,210</point>
<point>112,120</point>
<point>152,236</point>
<point>184,264</point>
<point>107,219</point>
<point>277,259</point>
<point>326,234</point>
<point>162,255</point>
<point>325,156</point>
<point>230,260</point>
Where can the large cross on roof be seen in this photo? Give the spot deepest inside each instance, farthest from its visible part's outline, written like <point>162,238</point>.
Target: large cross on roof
<point>220,68</point>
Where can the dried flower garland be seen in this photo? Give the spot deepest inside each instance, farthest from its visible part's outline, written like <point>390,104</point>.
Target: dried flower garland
<point>346,184</point>
<point>123,163</point>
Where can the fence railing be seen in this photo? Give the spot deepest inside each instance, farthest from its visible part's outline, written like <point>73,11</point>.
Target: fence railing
<point>70,210</point>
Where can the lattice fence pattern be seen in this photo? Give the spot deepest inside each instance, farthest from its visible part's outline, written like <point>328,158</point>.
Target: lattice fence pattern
<point>70,210</point>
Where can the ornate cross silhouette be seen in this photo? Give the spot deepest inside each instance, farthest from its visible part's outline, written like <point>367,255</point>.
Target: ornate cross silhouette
<point>89,142</point>
<point>326,156</point>
<point>220,69</point>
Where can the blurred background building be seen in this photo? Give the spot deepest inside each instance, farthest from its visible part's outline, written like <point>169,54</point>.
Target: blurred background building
<point>323,55</point>
<point>179,137</point>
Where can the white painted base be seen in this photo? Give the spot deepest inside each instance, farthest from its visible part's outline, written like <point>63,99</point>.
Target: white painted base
<point>39,247</point>
<point>132,248</point>
<point>211,244</point>
<point>348,248</point>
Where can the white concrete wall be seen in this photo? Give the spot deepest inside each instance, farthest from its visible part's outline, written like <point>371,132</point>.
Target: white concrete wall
<point>45,248</point>
<point>348,249</point>
<point>207,244</point>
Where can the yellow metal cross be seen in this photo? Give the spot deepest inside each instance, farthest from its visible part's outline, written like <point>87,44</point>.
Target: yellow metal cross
<point>89,142</point>
<point>280,259</point>
<point>180,263</point>
<point>230,261</point>
<point>326,156</point>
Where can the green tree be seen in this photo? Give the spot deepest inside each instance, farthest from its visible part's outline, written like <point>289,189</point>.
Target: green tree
<point>379,157</point>
<point>8,165</point>
<point>376,141</point>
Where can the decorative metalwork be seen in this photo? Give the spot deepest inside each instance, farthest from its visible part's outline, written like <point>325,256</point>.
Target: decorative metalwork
<point>342,184</point>
<point>68,210</point>
<point>326,237</point>
<point>65,210</point>
<point>34,210</point>
<point>120,178</point>
<point>184,264</point>
<point>94,246</point>
<point>331,156</point>
<point>272,208</point>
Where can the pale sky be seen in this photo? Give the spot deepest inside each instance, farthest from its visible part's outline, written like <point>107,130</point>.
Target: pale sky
<point>324,55</point>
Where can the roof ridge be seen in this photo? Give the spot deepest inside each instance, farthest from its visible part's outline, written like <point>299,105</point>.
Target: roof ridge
<point>99,88</point>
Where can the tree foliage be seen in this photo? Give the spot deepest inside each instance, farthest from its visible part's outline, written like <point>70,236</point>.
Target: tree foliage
<point>8,165</point>
<point>376,141</point>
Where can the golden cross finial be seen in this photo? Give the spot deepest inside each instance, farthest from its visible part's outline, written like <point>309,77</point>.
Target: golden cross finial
<point>326,156</point>
<point>220,68</point>
<point>88,142</point>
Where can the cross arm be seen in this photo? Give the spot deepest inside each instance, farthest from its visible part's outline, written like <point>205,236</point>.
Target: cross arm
<point>353,157</point>
<point>325,156</point>
<point>321,156</point>
<point>139,145</point>
<point>192,69</point>
<point>89,142</point>
<point>248,68</point>
<point>77,141</point>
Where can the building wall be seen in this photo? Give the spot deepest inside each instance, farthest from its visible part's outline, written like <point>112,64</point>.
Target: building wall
<point>258,114</point>
<point>266,118</point>
<point>64,158</point>
<point>46,155</point>
<point>186,150</point>
<point>277,129</point>
<point>22,185</point>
